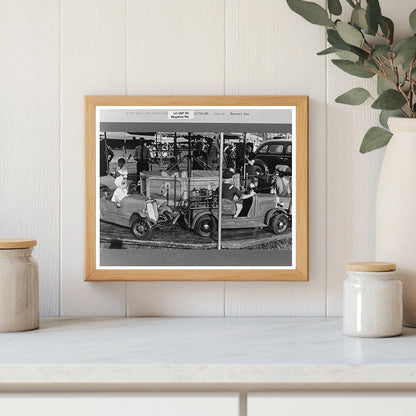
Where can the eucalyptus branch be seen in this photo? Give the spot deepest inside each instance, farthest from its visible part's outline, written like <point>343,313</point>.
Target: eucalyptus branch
<point>384,73</point>
<point>366,39</point>
<point>381,65</point>
<point>362,47</point>
<point>406,97</point>
<point>395,71</point>
<point>365,42</point>
<point>412,83</point>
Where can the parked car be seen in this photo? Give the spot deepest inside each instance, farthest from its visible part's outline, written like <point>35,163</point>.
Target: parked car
<point>140,214</point>
<point>271,153</point>
<point>262,210</point>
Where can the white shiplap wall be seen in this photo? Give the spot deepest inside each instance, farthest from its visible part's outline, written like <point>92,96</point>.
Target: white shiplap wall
<point>30,136</point>
<point>55,52</point>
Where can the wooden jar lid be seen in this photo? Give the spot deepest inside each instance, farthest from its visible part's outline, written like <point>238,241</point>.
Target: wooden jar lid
<point>371,266</point>
<point>11,243</point>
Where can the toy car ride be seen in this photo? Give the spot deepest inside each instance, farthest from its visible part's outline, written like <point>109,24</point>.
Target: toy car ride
<point>140,214</point>
<point>200,214</point>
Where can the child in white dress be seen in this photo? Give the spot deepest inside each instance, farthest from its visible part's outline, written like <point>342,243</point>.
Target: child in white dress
<point>121,192</point>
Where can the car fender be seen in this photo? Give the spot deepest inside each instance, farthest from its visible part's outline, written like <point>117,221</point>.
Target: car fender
<point>272,213</point>
<point>138,215</point>
<point>165,208</point>
<point>199,215</point>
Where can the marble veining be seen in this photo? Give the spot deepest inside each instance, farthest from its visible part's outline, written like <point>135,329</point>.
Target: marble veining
<point>203,350</point>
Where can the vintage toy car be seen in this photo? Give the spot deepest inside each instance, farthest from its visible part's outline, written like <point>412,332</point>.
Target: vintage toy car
<point>140,214</point>
<point>260,211</point>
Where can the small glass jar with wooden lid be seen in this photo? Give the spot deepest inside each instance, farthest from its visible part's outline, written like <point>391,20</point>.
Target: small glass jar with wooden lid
<point>19,286</point>
<point>372,300</point>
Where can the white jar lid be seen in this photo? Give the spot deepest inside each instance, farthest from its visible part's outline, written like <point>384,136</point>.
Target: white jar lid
<point>12,243</point>
<point>371,266</point>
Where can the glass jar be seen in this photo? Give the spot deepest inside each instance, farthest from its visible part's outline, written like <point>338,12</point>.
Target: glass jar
<point>372,300</point>
<point>19,286</point>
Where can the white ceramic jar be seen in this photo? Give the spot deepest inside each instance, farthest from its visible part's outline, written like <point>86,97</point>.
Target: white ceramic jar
<point>372,300</point>
<point>19,286</point>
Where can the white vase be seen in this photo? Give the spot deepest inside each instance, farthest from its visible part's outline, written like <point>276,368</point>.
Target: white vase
<point>396,210</point>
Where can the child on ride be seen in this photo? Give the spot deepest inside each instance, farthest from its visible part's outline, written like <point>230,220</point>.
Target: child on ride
<point>231,192</point>
<point>121,170</point>
<point>121,192</point>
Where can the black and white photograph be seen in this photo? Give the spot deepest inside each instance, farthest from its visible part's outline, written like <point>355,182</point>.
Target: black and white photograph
<point>195,187</point>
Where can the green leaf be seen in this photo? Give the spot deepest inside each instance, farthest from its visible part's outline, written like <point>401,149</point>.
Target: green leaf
<point>387,27</point>
<point>356,96</point>
<point>358,18</point>
<point>375,138</point>
<point>335,40</point>
<point>381,51</point>
<point>371,64</point>
<point>386,114</point>
<point>352,68</point>
<point>389,100</point>
<point>328,51</point>
<point>412,20</point>
<point>383,84</point>
<point>348,56</point>
<point>311,12</point>
<point>334,7</point>
<point>405,50</point>
<point>349,34</point>
<point>373,15</point>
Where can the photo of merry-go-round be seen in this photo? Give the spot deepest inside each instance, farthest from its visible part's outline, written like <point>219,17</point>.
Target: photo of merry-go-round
<point>195,187</point>
<point>162,190</point>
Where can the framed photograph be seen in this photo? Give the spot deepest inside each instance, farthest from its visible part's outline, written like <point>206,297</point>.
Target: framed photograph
<point>196,188</point>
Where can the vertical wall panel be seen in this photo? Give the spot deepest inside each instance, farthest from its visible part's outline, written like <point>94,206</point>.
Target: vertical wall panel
<point>93,62</point>
<point>353,177</point>
<point>29,143</point>
<point>175,47</point>
<point>271,50</point>
<point>175,299</point>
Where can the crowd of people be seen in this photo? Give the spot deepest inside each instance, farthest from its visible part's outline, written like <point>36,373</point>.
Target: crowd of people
<point>205,155</point>
<point>238,161</point>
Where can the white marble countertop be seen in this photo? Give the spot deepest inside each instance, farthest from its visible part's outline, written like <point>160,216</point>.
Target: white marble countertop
<point>184,352</point>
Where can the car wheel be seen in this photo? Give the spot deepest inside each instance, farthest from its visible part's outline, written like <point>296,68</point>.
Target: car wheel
<point>279,223</point>
<point>104,191</point>
<point>204,226</point>
<point>141,229</point>
<point>259,170</point>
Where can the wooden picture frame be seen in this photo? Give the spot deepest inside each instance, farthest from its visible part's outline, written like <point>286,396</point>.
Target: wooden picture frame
<point>109,112</point>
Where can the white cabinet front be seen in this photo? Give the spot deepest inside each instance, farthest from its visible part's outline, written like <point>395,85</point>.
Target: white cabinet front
<point>119,404</point>
<point>330,404</point>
